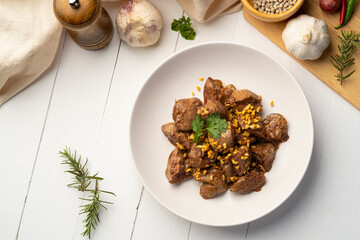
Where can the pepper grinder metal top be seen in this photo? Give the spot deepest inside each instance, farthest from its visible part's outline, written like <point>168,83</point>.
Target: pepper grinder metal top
<point>87,22</point>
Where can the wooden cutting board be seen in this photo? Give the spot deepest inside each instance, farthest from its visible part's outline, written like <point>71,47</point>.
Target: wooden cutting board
<point>321,68</point>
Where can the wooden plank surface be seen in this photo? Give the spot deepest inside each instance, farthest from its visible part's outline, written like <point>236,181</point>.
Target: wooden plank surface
<point>89,108</point>
<point>74,119</point>
<point>321,68</point>
<point>21,128</point>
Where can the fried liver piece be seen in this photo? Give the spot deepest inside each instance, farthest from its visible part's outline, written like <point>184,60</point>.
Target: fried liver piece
<point>265,154</point>
<point>226,141</point>
<point>211,107</point>
<point>276,128</point>
<point>197,158</point>
<point>239,137</point>
<point>212,89</point>
<point>260,132</point>
<point>243,97</point>
<point>226,93</point>
<point>175,136</point>
<point>257,132</point>
<point>212,183</point>
<point>228,170</point>
<point>252,181</point>
<point>241,160</point>
<point>175,169</point>
<point>184,112</point>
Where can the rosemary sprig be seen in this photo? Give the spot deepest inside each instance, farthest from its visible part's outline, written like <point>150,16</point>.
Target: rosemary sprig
<point>350,43</point>
<point>82,178</point>
<point>81,181</point>
<point>92,209</point>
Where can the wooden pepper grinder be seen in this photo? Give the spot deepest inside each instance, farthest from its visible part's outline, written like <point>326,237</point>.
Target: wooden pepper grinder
<point>88,23</point>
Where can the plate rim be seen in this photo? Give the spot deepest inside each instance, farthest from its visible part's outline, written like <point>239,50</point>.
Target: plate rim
<point>174,55</point>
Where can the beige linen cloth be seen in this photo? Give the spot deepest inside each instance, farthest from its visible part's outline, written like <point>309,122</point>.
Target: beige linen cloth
<point>205,10</point>
<point>30,36</point>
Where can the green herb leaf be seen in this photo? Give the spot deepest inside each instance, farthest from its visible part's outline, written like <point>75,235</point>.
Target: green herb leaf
<point>197,126</point>
<point>197,135</point>
<point>216,125</point>
<point>350,43</point>
<point>81,181</point>
<point>183,25</point>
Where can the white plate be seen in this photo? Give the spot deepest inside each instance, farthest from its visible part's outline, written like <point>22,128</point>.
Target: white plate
<point>245,68</point>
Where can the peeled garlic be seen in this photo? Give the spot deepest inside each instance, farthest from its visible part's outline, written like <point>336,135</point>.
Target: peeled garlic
<point>139,23</point>
<point>306,37</point>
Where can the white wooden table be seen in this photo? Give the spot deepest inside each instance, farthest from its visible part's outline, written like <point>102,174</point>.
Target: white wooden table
<point>84,101</point>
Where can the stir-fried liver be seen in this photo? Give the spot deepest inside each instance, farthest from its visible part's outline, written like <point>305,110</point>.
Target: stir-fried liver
<point>238,158</point>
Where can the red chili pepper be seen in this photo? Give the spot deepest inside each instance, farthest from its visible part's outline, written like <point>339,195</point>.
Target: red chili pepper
<point>343,11</point>
<point>349,11</point>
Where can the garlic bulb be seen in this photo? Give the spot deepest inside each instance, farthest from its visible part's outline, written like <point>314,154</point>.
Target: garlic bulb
<point>139,23</point>
<point>306,37</point>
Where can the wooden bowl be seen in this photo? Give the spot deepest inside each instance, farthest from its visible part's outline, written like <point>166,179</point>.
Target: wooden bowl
<point>249,6</point>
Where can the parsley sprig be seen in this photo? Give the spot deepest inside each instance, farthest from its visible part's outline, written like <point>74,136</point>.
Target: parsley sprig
<point>214,125</point>
<point>183,25</point>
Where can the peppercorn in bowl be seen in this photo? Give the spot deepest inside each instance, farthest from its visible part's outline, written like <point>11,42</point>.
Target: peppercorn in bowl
<point>272,10</point>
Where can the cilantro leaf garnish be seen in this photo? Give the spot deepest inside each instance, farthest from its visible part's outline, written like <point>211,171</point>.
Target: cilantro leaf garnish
<point>183,25</point>
<point>197,126</point>
<point>215,125</point>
